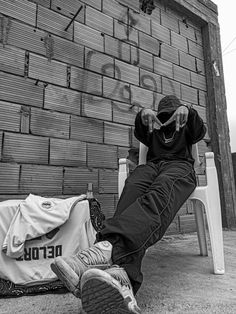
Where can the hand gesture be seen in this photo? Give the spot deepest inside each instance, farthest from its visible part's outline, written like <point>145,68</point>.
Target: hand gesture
<point>149,118</point>
<point>180,116</point>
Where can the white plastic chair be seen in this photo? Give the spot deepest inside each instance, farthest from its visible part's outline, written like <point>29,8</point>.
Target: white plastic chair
<point>208,195</point>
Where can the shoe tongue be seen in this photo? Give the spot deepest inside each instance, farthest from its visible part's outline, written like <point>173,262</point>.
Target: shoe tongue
<point>106,249</point>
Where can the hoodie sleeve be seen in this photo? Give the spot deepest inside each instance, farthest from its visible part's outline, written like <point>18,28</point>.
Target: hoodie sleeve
<point>196,127</point>
<point>141,131</point>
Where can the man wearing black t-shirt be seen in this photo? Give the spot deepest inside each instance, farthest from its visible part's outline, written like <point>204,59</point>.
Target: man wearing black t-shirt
<point>107,275</point>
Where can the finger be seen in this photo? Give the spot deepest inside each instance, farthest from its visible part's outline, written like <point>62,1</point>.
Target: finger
<point>150,124</point>
<point>177,122</point>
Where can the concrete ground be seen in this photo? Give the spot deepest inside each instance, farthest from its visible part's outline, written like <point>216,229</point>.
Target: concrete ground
<point>177,280</point>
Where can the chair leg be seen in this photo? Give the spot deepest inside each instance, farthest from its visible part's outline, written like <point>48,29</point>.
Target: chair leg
<point>201,231</point>
<point>213,212</point>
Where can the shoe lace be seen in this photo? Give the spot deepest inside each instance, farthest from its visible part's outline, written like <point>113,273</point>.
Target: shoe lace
<point>93,256</point>
<point>120,274</point>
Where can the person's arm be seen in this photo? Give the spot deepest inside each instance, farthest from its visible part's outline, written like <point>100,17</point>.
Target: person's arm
<point>141,131</point>
<point>196,127</point>
<point>144,124</point>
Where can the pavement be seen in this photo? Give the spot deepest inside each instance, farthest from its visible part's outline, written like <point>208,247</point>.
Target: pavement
<point>176,280</point>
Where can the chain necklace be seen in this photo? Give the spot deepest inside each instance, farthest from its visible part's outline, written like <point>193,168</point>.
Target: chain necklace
<point>169,139</point>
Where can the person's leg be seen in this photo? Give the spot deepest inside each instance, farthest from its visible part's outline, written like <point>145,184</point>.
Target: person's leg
<point>134,228</point>
<point>70,269</point>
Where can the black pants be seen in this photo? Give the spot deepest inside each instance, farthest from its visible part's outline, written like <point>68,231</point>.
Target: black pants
<point>151,197</point>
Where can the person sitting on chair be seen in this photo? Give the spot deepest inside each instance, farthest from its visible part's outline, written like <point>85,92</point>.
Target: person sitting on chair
<point>107,275</point>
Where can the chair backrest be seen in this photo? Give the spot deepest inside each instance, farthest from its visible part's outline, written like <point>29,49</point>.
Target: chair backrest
<point>143,149</point>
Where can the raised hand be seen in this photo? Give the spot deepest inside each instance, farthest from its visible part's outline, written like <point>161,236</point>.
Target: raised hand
<point>149,118</point>
<point>180,116</point>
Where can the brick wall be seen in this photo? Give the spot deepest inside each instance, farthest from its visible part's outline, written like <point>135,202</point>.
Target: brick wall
<point>69,93</point>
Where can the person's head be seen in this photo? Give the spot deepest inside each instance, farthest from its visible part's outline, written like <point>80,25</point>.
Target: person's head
<point>167,107</point>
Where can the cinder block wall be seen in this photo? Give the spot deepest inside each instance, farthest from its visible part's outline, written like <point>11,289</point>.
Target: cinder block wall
<point>69,93</point>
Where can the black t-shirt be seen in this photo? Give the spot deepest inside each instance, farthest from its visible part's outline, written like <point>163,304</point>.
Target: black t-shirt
<point>168,144</point>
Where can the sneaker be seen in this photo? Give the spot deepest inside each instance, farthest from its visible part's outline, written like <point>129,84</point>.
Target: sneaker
<point>70,269</point>
<point>107,292</point>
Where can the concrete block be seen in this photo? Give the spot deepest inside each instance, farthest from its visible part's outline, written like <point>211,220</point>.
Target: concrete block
<point>117,90</point>
<point>169,53</point>
<point>26,37</point>
<point>41,180</point>
<point>169,21</point>
<point>170,87</point>
<point>189,94</point>
<point>20,90</point>
<point>187,31</point>
<point>187,61</point>
<point>116,134</point>
<point>22,10</point>
<point>149,44</point>
<point>141,58</point>
<point>123,152</point>
<point>24,148</point>
<point>200,66</point>
<point>76,180</point>
<point>97,4</point>
<point>98,20</point>
<point>187,223</point>
<point>150,80</point>
<point>99,62</point>
<point>123,113</point>
<point>69,8</point>
<point>125,32</point>
<point>198,36</point>
<point>198,81</point>
<point>133,4</point>
<point>9,174</point>
<point>127,72</point>
<point>49,123</point>
<point>181,75</point>
<point>62,99</point>
<point>160,32</point>
<point>42,69</point>
<point>107,202</point>
<point>179,42</point>
<point>202,97</point>
<point>68,52</point>
<point>163,67</point>
<point>142,97</point>
<point>202,180</point>
<point>117,48</point>
<point>1,143</point>
<point>12,60</point>
<point>195,49</point>
<point>86,129</point>
<point>53,22</point>
<point>25,119</point>
<point>115,10</point>
<point>173,227</point>
<point>108,181</point>
<point>86,81</point>
<point>140,21</point>
<point>45,3</point>
<point>88,37</point>
<point>67,153</point>
<point>102,156</point>
<point>10,116</point>
<point>96,107</point>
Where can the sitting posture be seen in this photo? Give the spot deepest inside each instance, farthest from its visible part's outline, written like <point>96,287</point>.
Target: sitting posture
<point>108,275</point>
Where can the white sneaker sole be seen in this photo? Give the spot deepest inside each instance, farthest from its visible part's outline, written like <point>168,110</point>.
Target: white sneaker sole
<point>67,276</point>
<point>100,295</point>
